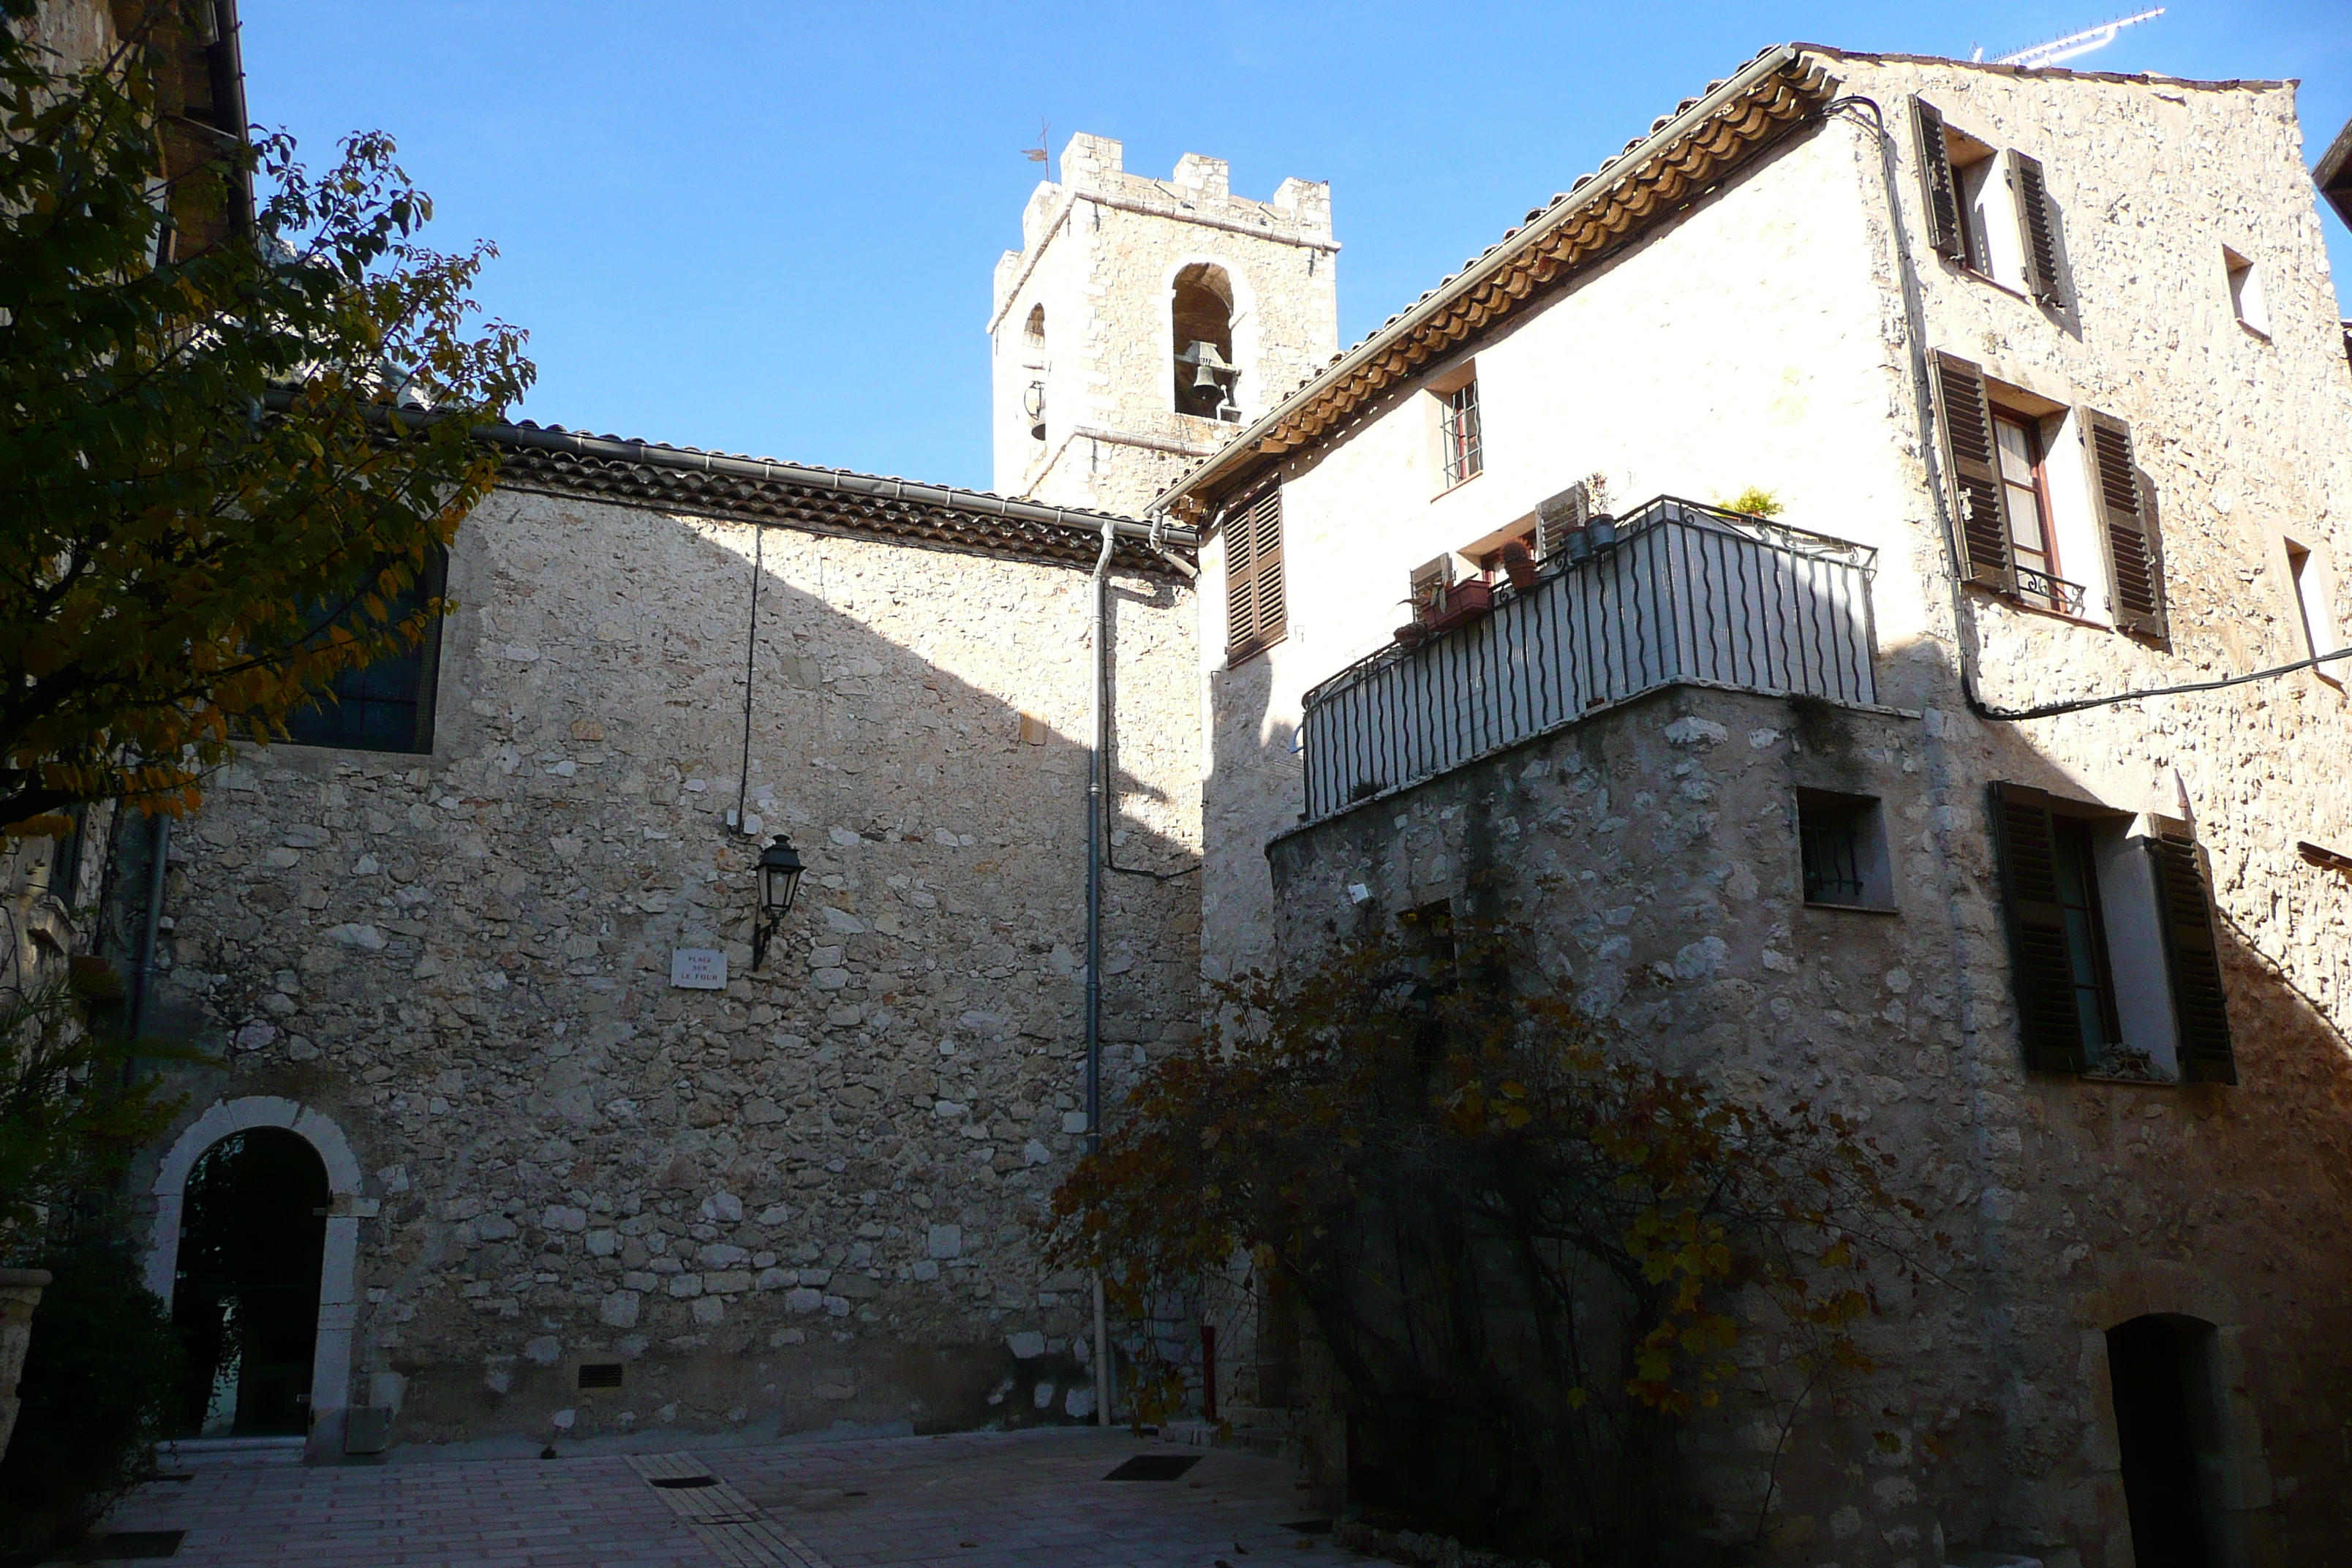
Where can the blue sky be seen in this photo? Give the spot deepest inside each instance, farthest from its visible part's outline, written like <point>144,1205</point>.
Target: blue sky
<point>771,228</point>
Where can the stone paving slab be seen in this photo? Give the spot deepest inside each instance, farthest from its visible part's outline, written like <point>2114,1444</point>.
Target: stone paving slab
<point>981,1500</point>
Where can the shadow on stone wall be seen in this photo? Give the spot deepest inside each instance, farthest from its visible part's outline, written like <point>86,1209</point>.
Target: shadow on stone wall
<point>1652,852</point>
<point>794,1202</point>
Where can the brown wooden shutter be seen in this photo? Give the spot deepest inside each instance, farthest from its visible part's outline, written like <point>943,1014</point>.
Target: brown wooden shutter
<point>1938,192</point>
<point>1256,609</point>
<point>2134,575</point>
<point>1964,420</point>
<point>2025,845</point>
<point>2185,916</point>
<point>1241,582</point>
<point>2037,237</point>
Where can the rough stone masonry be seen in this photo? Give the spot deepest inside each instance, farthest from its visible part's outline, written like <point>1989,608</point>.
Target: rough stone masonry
<point>796,1201</point>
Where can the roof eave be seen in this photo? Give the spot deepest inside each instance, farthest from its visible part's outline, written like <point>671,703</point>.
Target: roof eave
<point>1263,439</point>
<point>2333,173</point>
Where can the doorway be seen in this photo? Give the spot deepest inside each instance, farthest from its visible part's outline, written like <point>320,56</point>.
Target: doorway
<point>245,1297</point>
<point>2161,1370</point>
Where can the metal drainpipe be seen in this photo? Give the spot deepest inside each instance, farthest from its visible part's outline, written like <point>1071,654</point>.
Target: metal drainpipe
<point>1098,721</point>
<point>159,851</point>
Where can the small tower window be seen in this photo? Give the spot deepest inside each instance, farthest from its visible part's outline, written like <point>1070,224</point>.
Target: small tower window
<point>2246,293</point>
<point>1032,396</point>
<point>1201,314</point>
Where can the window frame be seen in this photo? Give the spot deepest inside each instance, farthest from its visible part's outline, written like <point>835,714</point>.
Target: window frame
<point>2308,580</point>
<point>320,724</point>
<point>1955,191</point>
<point>1461,436</point>
<point>2049,594</point>
<point>2242,277</point>
<point>2071,834</point>
<point>1865,816</point>
<point>2154,956</point>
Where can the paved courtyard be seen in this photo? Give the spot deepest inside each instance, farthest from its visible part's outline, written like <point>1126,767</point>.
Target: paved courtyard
<point>1034,1500</point>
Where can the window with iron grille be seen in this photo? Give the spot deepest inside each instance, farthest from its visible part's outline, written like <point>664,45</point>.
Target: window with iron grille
<point>1842,843</point>
<point>385,705</point>
<point>1458,429</point>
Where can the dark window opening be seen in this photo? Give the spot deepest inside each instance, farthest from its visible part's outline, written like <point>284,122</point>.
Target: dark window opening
<point>2161,1370</point>
<point>1429,935</point>
<point>600,1374</point>
<point>1278,1385</point>
<point>1200,311</point>
<point>386,705</point>
<point>1842,848</point>
<point>2086,932</point>
<point>253,1236</point>
<point>1465,455</point>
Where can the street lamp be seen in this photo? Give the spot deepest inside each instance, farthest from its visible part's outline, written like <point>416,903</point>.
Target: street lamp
<point>780,883</point>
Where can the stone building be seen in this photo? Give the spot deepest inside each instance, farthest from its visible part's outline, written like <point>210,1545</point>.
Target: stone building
<point>2042,370</point>
<point>1143,321</point>
<point>476,956</point>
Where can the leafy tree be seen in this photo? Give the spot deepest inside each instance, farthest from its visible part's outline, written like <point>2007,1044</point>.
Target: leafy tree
<point>74,1109</point>
<point>215,471</point>
<point>97,1389</point>
<point>1530,1257</point>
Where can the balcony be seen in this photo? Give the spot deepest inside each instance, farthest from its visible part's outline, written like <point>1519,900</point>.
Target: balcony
<point>1676,593</point>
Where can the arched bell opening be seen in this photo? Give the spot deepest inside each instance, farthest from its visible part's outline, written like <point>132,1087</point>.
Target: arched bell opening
<point>246,1287</point>
<point>1032,396</point>
<point>1201,314</point>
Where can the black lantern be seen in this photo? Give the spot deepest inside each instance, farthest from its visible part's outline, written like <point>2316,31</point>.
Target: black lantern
<point>780,884</point>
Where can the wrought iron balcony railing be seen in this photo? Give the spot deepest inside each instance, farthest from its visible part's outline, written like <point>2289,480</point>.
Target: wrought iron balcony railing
<point>2047,593</point>
<point>1681,594</point>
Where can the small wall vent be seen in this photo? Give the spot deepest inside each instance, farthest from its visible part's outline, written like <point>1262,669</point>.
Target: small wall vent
<point>600,1374</point>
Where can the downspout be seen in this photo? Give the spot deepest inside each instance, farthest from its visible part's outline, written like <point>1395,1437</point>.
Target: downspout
<point>1097,722</point>
<point>158,849</point>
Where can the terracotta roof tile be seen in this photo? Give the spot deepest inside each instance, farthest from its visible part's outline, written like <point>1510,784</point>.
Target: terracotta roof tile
<point>660,476</point>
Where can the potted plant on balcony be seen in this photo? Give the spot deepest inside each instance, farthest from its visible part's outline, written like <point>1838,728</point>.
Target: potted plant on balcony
<point>1461,603</point>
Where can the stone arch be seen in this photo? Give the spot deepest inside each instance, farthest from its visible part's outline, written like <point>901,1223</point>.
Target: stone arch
<point>2236,1479</point>
<point>1207,302</point>
<point>330,1365</point>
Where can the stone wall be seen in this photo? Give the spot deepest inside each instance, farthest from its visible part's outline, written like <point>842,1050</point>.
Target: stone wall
<point>797,1201</point>
<point>1765,337</point>
<point>1667,372</point>
<point>1101,251</point>
<point>1652,850</point>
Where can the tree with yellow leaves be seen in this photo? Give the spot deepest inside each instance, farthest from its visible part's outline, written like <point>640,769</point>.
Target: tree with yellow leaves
<point>223,460</point>
<point>1529,1255</point>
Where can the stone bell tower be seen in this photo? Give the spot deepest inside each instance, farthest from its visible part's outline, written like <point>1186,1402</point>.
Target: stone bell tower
<point>1143,323</point>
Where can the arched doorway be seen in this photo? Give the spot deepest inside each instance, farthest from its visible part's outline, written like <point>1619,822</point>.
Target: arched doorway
<point>246,1292</point>
<point>2168,1424</point>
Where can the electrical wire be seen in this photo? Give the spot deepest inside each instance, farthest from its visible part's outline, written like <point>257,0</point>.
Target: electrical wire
<point>2050,710</point>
